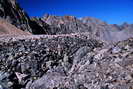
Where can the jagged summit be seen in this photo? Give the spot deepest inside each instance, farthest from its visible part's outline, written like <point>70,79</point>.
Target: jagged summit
<point>93,20</point>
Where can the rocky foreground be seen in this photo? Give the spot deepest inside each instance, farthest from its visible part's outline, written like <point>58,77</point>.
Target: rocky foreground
<point>65,62</point>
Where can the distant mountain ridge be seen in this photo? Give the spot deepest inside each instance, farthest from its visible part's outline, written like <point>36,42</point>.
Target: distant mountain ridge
<point>52,25</point>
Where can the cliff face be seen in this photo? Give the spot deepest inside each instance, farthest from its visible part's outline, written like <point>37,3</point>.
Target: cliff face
<point>40,27</point>
<point>10,10</point>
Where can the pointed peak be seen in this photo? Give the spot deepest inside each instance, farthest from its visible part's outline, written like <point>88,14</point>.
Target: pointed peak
<point>70,18</point>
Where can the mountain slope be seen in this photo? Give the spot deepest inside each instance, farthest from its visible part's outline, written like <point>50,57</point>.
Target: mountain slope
<point>8,29</point>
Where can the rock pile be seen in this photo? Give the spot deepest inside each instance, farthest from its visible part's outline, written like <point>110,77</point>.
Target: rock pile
<point>65,63</point>
<point>97,68</point>
<point>28,60</point>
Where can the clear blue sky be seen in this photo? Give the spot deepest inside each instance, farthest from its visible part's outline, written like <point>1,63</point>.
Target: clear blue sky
<point>111,11</point>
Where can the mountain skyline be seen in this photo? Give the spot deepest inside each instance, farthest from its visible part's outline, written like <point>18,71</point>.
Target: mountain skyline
<point>110,11</point>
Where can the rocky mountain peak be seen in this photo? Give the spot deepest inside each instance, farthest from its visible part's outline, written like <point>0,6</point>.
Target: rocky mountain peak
<point>69,18</point>
<point>125,25</point>
<point>90,20</point>
<point>57,20</point>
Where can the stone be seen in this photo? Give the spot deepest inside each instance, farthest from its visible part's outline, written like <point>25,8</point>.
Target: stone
<point>81,87</point>
<point>104,87</point>
<point>116,50</point>
<point>20,76</point>
<point>1,87</point>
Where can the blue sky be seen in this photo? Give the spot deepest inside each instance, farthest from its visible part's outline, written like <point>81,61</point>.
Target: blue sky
<point>111,11</point>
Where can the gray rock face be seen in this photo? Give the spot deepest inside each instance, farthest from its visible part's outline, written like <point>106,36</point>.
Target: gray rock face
<point>67,24</point>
